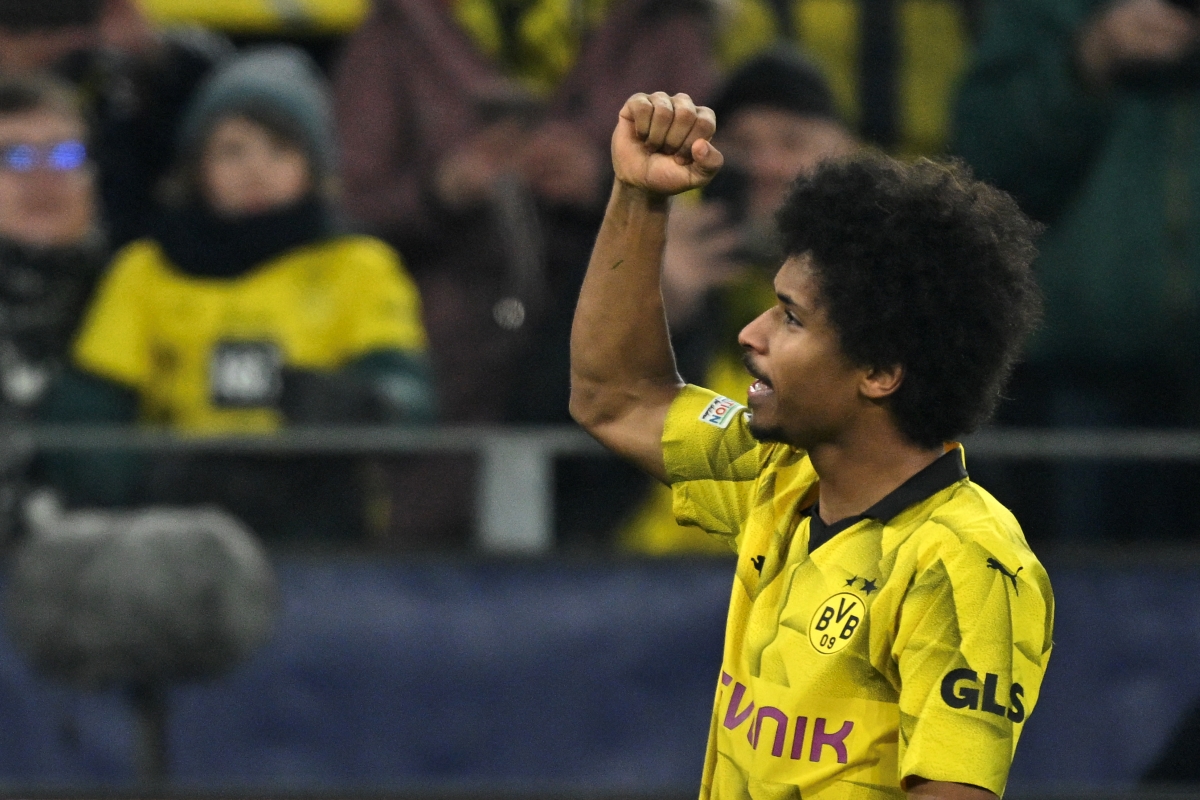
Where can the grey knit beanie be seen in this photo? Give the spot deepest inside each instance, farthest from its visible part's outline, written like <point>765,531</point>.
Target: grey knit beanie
<point>278,86</point>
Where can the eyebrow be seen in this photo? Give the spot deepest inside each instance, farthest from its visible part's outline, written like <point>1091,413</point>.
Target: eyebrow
<point>788,301</point>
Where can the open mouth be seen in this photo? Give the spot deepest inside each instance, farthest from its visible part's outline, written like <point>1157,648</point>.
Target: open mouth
<point>759,388</point>
<point>761,384</point>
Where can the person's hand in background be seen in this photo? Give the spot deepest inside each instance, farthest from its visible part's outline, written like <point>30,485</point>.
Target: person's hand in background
<point>562,166</point>
<point>699,257</point>
<point>125,28</point>
<point>1133,31</point>
<point>465,177</point>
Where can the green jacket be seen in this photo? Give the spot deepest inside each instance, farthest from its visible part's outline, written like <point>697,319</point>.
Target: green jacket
<point>1115,174</point>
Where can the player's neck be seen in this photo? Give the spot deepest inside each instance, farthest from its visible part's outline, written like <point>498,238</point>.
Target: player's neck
<point>863,467</point>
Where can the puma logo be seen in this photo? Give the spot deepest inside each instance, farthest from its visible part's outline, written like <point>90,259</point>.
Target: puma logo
<point>1012,576</point>
<point>758,562</point>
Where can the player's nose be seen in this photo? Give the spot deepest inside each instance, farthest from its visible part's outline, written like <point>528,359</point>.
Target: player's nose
<point>753,337</point>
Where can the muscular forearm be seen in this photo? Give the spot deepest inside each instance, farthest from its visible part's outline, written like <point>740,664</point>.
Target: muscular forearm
<point>620,350</point>
<point>623,375</point>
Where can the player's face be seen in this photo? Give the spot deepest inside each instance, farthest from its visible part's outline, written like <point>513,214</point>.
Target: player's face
<point>246,169</point>
<point>807,391</point>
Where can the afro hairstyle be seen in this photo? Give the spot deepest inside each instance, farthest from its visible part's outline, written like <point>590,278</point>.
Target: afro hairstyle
<point>922,266</point>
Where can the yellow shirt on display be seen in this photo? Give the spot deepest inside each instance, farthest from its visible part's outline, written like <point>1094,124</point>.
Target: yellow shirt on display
<point>318,307</point>
<point>910,641</point>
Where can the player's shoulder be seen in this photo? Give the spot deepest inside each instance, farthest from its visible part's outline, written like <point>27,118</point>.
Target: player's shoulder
<point>706,437</point>
<point>971,513</point>
<point>969,523</point>
<point>972,541</point>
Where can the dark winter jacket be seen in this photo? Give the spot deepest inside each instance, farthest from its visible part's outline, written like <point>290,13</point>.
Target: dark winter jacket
<point>1115,173</point>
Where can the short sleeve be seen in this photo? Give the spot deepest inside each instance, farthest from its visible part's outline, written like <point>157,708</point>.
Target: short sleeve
<point>972,645</point>
<point>712,461</point>
<point>114,341</point>
<point>386,312</point>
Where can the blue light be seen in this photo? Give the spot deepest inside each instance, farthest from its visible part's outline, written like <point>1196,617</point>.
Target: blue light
<point>20,157</point>
<point>63,156</point>
<point>66,156</point>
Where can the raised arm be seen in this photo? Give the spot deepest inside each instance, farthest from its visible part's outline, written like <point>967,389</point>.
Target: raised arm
<point>623,375</point>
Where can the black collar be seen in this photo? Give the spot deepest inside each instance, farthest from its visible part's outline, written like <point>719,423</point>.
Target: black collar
<point>947,470</point>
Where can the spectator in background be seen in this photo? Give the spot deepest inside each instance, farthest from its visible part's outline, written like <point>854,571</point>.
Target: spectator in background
<point>892,65</point>
<point>776,120</point>
<point>134,82</point>
<point>250,309</point>
<point>52,251</point>
<point>1089,113</point>
<point>476,137</point>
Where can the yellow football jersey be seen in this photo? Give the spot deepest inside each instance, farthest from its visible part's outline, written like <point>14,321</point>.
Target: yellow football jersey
<point>910,640</point>
<point>186,342</point>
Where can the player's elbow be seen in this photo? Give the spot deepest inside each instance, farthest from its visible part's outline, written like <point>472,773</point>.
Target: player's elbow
<point>604,410</point>
<point>598,405</point>
<point>588,406</point>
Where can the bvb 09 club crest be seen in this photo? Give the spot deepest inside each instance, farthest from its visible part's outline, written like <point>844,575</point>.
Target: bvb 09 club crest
<point>834,622</point>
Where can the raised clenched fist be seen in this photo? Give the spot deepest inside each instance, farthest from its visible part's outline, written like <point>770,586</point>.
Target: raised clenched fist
<point>661,144</point>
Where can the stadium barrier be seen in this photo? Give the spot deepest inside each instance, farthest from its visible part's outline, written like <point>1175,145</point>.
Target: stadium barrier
<point>514,496</point>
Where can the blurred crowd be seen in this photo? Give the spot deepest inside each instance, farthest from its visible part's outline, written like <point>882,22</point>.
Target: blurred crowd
<point>380,214</point>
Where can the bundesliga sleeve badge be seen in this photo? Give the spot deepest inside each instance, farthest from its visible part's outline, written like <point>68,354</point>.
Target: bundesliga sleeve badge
<point>720,412</point>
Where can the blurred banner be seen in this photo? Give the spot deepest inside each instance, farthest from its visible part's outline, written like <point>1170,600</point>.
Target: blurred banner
<point>592,677</point>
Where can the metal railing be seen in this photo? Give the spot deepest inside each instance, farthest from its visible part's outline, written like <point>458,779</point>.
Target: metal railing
<point>514,495</point>
<point>515,491</point>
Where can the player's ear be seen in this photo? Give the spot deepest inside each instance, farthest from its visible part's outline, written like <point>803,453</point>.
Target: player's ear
<point>879,382</point>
